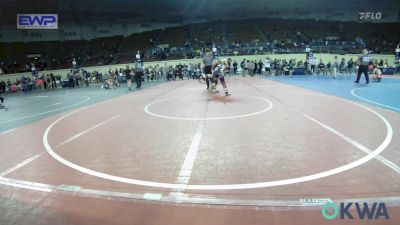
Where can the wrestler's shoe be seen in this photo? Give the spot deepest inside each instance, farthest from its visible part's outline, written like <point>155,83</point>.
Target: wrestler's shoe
<point>227,94</point>
<point>214,88</point>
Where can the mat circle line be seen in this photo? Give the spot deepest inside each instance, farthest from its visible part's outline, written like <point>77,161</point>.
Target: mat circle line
<point>239,186</point>
<point>353,92</point>
<point>270,105</point>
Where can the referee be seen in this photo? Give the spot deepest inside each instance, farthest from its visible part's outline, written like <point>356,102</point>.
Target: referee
<point>138,74</point>
<point>2,90</point>
<point>363,63</point>
<point>1,99</point>
<point>208,61</point>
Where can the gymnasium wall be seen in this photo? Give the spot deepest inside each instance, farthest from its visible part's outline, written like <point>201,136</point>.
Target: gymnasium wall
<point>324,57</point>
<point>86,31</point>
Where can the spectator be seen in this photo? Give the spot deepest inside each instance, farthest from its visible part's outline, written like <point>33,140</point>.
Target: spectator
<point>74,64</point>
<point>128,77</point>
<point>329,68</point>
<point>268,66</point>
<point>350,65</point>
<point>292,63</point>
<point>33,70</point>
<point>243,67</point>
<point>235,67</point>
<point>378,74</point>
<point>53,81</point>
<point>314,64</point>
<point>71,80</point>
<point>2,90</point>
<point>342,66</point>
<point>259,67</point>
<point>321,68</point>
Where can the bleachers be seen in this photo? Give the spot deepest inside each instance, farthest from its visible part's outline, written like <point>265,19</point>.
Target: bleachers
<point>140,41</point>
<point>242,31</point>
<point>101,51</point>
<point>282,33</point>
<point>13,52</point>
<point>206,33</point>
<point>60,54</point>
<point>316,30</point>
<point>278,29</point>
<point>175,36</point>
<point>135,42</point>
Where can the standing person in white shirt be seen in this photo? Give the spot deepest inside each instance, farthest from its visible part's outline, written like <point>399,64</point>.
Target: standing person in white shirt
<point>314,65</point>
<point>243,67</point>
<point>74,64</point>
<point>190,71</point>
<point>33,69</point>
<point>267,66</point>
<point>335,66</point>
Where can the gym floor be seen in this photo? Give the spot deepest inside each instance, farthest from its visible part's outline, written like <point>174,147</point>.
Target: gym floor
<point>174,153</point>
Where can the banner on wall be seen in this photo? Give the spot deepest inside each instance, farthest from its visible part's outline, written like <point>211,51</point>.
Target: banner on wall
<point>37,21</point>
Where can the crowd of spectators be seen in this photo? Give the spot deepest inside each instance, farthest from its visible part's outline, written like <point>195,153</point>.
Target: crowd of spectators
<point>111,78</point>
<point>58,55</point>
<point>230,37</point>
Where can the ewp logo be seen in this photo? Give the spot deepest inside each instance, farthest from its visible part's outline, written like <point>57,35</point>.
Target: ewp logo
<point>330,211</point>
<point>37,21</point>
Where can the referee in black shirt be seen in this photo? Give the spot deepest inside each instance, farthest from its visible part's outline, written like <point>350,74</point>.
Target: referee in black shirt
<point>2,90</point>
<point>138,74</point>
<point>364,62</point>
<point>208,61</point>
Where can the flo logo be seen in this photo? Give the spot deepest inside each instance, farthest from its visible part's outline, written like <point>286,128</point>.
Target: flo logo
<point>363,210</point>
<point>370,15</point>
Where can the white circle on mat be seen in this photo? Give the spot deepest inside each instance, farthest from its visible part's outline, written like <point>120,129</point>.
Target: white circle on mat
<point>268,107</point>
<point>237,186</point>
